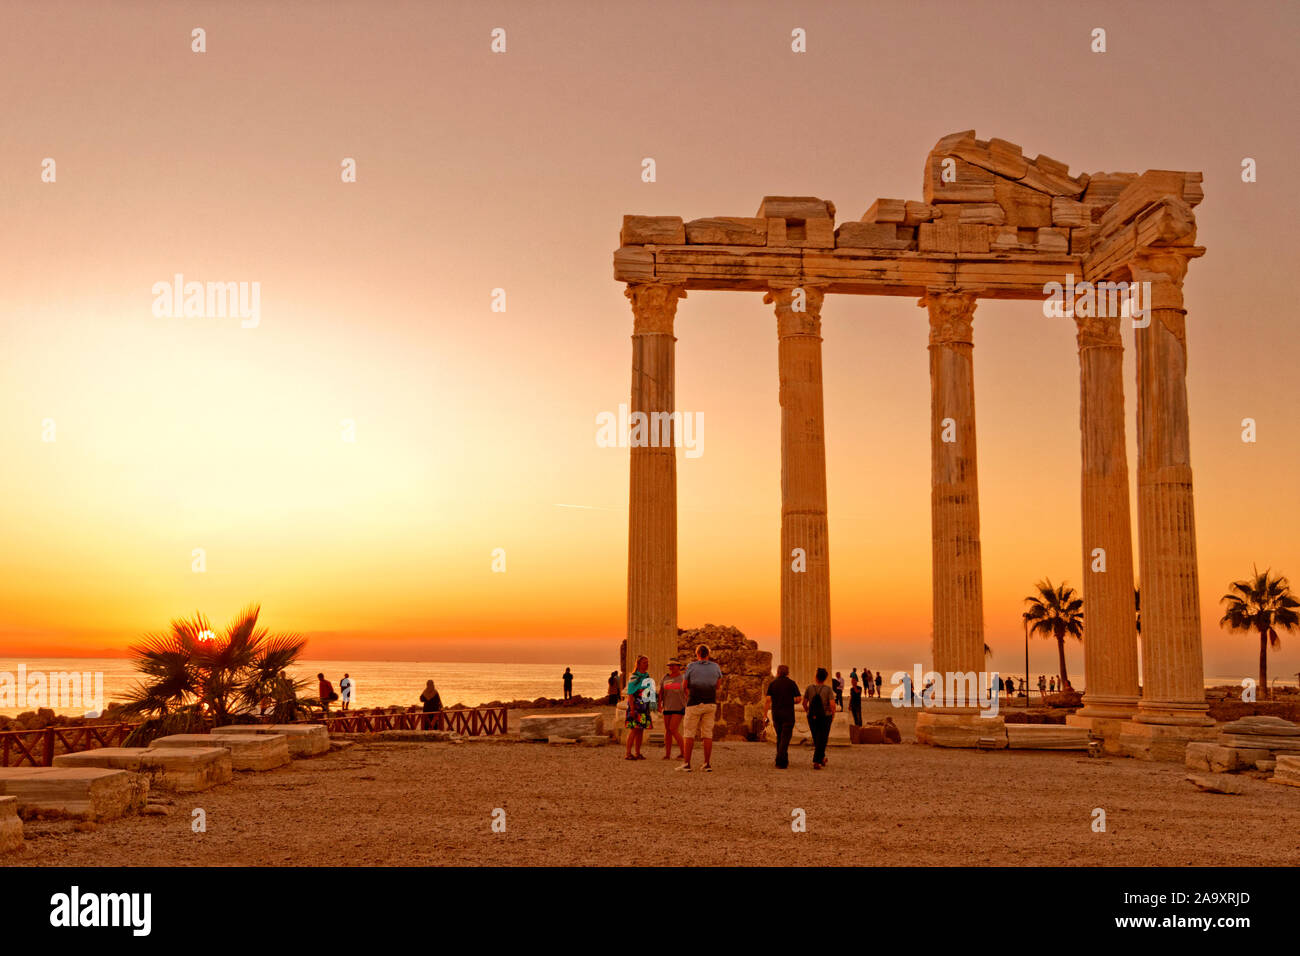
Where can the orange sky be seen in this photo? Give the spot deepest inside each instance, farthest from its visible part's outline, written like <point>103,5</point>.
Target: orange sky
<point>478,171</point>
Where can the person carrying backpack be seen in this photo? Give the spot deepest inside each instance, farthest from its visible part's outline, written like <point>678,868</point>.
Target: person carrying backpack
<point>819,705</point>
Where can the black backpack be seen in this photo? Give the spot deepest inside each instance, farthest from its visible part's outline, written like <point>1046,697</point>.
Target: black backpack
<point>816,706</point>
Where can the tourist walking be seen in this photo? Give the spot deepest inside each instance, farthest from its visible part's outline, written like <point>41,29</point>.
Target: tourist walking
<point>640,703</point>
<point>837,685</point>
<point>819,705</point>
<point>432,703</point>
<point>326,694</point>
<point>568,684</point>
<point>703,677</point>
<point>613,689</point>
<point>672,704</point>
<point>855,702</point>
<point>779,704</point>
<point>345,689</point>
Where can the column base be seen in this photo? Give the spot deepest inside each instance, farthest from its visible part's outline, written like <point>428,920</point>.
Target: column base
<point>1107,729</point>
<point>1163,742</point>
<point>1118,708</point>
<point>1174,713</point>
<point>947,729</point>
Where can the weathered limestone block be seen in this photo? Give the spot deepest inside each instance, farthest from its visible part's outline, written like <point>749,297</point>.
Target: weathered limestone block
<point>247,751</point>
<point>801,233</point>
<point>746,672</point>
<point>652,230</point>
<point>1287,771</point>
<point>1053,240</point>
<point>93,793</point>
<point>574,726</point>
<point>886,210</point>
<point>1048,176</point>
<point>1024,207</point>
<point>961,730</point>
<point>1284,743</point>
<point>997,156</point>
<point>1070,212</point>
<point>11,825</point>
<point>916,213</point>
<point>1046,737</point>
<point>305,740</point>
<point>973,238</point>
<point>1262,726</point>
<point>867,235</point>
<point>179,769</point>
<point>1197,756</point>
<point>1161,741</point>
<point>727,231</point>
<point>1217,783</point>
<point>942,235</point>
<point>1232,759</point>
<point>795,207</point>
<point>1081,240</point>
<point>986,213</point>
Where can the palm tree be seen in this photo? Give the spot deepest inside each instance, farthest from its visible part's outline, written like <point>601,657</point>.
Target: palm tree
<point>1262,604</point>
<point>1055,612</point>
<point>193,676</point>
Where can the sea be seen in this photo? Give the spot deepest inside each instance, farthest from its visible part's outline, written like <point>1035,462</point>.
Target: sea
<point>375,683</point>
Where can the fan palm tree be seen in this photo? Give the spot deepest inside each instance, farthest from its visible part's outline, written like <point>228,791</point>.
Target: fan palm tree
<point>1055,612</point>
<point>193,675</point>
<point>1261,604</point>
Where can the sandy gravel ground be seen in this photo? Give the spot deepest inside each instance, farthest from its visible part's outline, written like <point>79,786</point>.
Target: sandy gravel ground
<point>432,804</point>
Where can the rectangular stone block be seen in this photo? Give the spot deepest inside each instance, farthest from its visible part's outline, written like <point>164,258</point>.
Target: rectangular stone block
<point>727,231</point>
<point>1070,212</point>
<point>1287,770</point>
<point>1197,756</point>
<point>795,207</point>
<point>997,156</point>
<point>11,825</point>
<point>886,210</point>
<point>982,213</point>
<point>652,230</point>
<point>1054,241</point>
<point>304,740</point>
<point>800,234</point>
<point>1161,741</point>
<point>939,236</point>
<point>575,726</point>
<point>868,235</point>
<point>178,769</point>
<point>247,751</point>
<point>1047,737</point>
<point>1049,180</point>
<point>92,793</point>
<point>1023,206</point>
<point>972,239</point>
<point>916,213</point>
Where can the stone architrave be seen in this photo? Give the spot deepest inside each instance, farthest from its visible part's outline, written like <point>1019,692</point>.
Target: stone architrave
<point>1110,642</point>
<point>652,498</point>
<point>805,546</point>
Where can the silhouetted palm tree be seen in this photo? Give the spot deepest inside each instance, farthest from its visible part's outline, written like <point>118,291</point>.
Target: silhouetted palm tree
<point>1055,612</point>
<point>193,675</point>
<point>1261,604</point>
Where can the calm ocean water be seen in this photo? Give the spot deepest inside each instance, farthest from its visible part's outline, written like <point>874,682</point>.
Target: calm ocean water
<point>382,683</point>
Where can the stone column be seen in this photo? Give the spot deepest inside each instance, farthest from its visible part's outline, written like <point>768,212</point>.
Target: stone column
<point>805,577</point>
<point>1173,691</point>
<point>1110,659</point>
<point>652,500</point>
<point>958,593</point>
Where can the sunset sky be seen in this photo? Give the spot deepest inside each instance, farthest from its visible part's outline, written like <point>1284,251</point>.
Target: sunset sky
<point>476,429</point>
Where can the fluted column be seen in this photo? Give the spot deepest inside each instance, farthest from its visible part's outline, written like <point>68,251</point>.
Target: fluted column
<point>805,579</point>
<point>1110,658</point>
<point>954,492</point>
<point>652,500</point>
<point>1173,690</point>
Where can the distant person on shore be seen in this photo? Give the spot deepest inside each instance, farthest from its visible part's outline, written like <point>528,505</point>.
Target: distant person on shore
<point>568,684</point>
<point>326,694</point>
<point>672,704</point>
<point>855,701</point>
<point>779,704</point>
<point>869,681</point>
<point>613,689</point>
<point>1053,685</point>
<point>345,689</point>
<point>640,703</point>
<point>853,675</point>
<point>878,683</point>
<point>1042,686</point>
<point>703,677</point>
<point>432,703</point>
<point>837,685</point>
<point>819,705</point>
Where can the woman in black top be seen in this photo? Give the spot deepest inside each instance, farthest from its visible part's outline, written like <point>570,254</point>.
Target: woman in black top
<point>432,702</point>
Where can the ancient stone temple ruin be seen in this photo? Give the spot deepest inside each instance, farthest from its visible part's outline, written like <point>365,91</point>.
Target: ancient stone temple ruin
<point>990,223</point>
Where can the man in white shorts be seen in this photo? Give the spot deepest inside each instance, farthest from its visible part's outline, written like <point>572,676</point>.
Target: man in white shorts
<point>703,678</point>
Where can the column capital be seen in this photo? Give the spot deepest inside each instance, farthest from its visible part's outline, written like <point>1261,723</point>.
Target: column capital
<point>1097,332</point>
<point>1164,270</point>
<point>798,309</point>
<point>654,305</point>
<point>952,316</point>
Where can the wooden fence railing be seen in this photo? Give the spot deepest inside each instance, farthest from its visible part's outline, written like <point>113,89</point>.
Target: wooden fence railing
<point>471,722</point>
<point>38,748</point>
